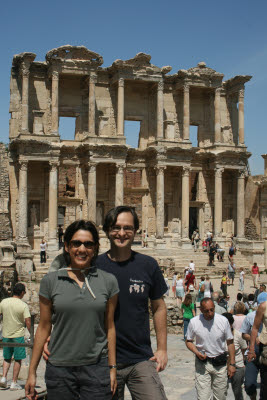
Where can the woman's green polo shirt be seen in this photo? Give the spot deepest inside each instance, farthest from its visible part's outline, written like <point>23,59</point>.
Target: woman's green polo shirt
<point>78,336</point>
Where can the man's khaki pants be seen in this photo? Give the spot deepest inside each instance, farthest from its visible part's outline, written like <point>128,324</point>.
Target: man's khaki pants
<point>211,382</point>
<point>255,278</point>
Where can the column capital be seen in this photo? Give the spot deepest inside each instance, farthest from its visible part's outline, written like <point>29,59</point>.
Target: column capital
<point>160,169</point>
<point>160,85</point>
<point>23,164</point>
<point>241,174</point>
<point>121,82</point>
<point>120,168</point>
<point>25,70</point>
<point>186,87</point>
<point>92,78</point>
<point>186,171</point>
<point>55,74</point>
<point>241,94</point>
<point>219,172</point>
<point>217,91</point>
<point>54,164</point>
<point>92,166</point>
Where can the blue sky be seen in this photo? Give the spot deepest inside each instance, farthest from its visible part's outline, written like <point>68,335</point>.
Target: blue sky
<point>230,36</point>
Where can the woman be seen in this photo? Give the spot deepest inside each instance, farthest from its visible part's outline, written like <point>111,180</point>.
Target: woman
<point>224,284</point>
<point>239,315</point>
<point>174,284</point>
<point>43,251</point>
<point>240,344</point>
<point>241,280</point>
<point>188,312</point>
<point>82,300</point>
<point>180,289</point>
<point>208,289</point>
<point>201,288</point>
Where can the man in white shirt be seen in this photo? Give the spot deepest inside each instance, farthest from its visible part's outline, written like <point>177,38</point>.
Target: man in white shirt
<point>212,332</point>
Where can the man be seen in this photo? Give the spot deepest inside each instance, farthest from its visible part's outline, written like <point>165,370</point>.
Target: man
<point>195,239</point>
<point>190,279</point>
<point>255,272</point>
<point>211,331</point>
<point>239,297</point>
<point>252,367</point>
<point>218,309</point>
<point>260,320</point>
<point>261,289</point>
<point>212,252</point>
<point>139,279</point>
<point>231,271</point>
<point>15,315</point>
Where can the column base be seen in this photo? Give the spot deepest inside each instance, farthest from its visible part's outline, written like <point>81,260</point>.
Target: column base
<point>52,248</point>
<point>24,261</point>
<point>160,244</point>
<point>186,244</point>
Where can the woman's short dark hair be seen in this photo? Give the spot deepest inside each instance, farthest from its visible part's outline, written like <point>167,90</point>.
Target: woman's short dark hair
<point>229,316</point>
<point>18,289</point>
<point>112,215</point>
<point>84,226</point>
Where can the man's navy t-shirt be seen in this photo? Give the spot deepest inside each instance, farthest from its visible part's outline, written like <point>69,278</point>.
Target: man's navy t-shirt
<point>139,279</point>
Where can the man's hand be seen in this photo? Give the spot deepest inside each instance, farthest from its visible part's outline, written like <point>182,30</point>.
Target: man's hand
<point>231,371</point>
<point>161,358</point>
<point>251,356</point>
<point>46,352</point>
<point>201,356</point>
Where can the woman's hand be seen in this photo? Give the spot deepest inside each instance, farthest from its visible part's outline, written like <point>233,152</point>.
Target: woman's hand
<point>113,380</point>
<point>30,391</point>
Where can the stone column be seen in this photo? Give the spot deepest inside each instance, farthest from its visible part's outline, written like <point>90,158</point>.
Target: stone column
<point>53,209</point>
<point>92,191</point>
<point>241,136</point>
<point>119,185</point>
<point>185,202</point>
<point>160,202</point>
<point>186,120</point>
<point>23,201</point>
<point>120,116</point>
<point>160,110</point>
<point>91,104</point>
<point>218,203</point>
<point>54,117</point>
<point>217,115</point>
<point>241,204</point>
<point>25,98</point>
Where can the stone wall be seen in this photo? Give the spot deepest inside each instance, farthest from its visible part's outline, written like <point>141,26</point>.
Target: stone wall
<point>252,210</point>
<point>5,224</point>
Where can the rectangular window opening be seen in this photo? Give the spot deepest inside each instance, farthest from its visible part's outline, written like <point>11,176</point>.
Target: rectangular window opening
<point>131,132</point>
<point>194,135</point>
<point>67,127</point>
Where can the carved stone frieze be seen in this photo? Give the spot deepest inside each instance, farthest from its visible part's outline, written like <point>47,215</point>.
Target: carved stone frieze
<point>79,53</point>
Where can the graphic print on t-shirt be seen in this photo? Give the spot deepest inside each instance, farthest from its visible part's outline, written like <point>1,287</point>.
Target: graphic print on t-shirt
<point>136,286</point>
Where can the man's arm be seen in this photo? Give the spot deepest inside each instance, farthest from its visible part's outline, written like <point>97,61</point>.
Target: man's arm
<point>231,351</point>
<point>28,323</point>
<point>255,329</point>
<point>192,347</point>
<point>160,323</point>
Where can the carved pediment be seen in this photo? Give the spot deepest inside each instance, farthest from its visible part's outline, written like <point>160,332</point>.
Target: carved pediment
<point>79,53</point>
<point>200,71</point>
<point>140,63</point>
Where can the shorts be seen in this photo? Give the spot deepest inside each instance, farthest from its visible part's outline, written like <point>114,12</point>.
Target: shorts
<point>231,275</point>
<point>19,352</point>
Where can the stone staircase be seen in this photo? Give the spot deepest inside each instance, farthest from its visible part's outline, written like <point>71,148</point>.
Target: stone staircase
<point>171,260</point>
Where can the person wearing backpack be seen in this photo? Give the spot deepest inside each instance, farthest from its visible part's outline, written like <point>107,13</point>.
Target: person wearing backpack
<point>201,288</point>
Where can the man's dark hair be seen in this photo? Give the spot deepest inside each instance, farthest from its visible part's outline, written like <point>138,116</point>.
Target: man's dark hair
<point>239,296</point>
<point>251,297</point>
<point>205,300</point>
<point>18,289</point>
<point>75,227</point>
<point>112,215</point>
<point>230,317</point>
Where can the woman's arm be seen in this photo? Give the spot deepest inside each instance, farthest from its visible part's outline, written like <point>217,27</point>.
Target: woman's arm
<point>111,336</point>
<point>255,329</point>
<point>42,333</point>
<point>193,310</point>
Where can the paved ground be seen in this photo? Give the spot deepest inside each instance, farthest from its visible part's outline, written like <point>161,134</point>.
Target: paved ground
<point>178,378</point>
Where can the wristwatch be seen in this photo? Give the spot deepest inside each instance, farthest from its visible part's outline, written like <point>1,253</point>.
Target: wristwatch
<point>232,365</point>
<point>112,366</point>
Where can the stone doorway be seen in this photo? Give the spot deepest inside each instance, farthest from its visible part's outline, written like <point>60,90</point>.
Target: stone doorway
<point>193,220</point>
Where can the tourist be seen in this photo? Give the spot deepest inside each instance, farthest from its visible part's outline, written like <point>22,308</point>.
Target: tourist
<point>145,236</point>
<point>60,233</point>
<point>167,284</point>
<point>241,279</point>
<point>204,245</point>
<point>251,304</point>
<point>252,367</point>
<point>212,333</point>
<point>16,315</point>
<point>188,311</point>
<point>216,297</point>
<point>255,272</point>
<point>208,288</point>
<point>212,252</point>
<point>195,239</point>
<point>190,279</point>
<point>43,246</point>
<point>260,319</point>
<point>209,240</point>
<point>240,344</point>
<point>201,288</point>
<point>239,315</point>
<point>192,266</point>
<point>81,299</point>
<point>174,284</point>
<point>231,272</point>
<point>231,252</point>
<point>140,279</point>
<point>194,295</point>
<point>180,289</point>
<point>220,253</point>
<point>224,284</point>
<point>239,297</point>
<point>258,291</point>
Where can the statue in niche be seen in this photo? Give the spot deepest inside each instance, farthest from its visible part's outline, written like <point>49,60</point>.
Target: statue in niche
<point>99,213</point>
<point>70,189</point>
<point>33,216</point>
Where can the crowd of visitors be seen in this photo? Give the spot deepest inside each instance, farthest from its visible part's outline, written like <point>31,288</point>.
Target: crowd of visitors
<point>228,339</point>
